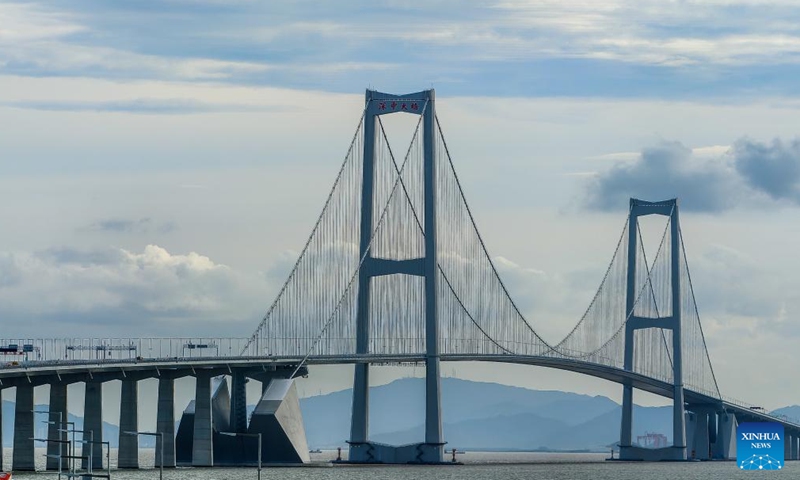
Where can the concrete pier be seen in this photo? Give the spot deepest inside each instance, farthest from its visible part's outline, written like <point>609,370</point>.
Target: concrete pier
<point>203,440</point>
<point>23,457</point>
<point>58,404</point>
<point>278,419</point>
<point>701,446</point>
<point>165,421</point>
<point>239,402</point>
<point>795,448</point>
<point>129,422</point>
<point>1,428</point>
<point>93,422</point>
<point>726,435</point>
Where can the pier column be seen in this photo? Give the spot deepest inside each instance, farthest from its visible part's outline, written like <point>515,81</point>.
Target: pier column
<point>701,445</point>
<point>129,422</point>
<point>239,402</point>
<point>1,428</point>
<point>165,421</point>
<point>203,441</point>
<point>58,404</point>
<point>796,448</point>
<point>23,456</point>
<point>93,425</point>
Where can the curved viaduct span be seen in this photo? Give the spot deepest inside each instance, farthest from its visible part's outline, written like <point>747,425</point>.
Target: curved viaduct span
<point>94,372</point>
<point>396,271</point>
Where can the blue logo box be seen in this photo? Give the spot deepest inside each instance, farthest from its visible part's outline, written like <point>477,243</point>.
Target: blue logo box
<point>759,446</point>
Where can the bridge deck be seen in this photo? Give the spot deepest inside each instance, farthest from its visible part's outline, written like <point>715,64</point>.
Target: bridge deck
<point>40,372</point>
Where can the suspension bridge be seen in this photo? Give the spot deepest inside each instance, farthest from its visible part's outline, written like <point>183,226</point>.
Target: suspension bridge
<point>395,271</point>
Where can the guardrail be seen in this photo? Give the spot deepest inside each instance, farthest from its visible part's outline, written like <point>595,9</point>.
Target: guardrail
<point>15,351</point>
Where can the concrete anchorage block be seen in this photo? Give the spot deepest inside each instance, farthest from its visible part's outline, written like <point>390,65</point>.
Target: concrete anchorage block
<point>201,422</point>
<point>279,420</point>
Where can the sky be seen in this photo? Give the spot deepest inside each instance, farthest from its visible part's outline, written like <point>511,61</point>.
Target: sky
<point>163,162</point>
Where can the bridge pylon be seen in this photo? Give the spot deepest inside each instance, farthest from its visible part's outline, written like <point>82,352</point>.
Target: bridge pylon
<point>640,208</point>
<point>361,448</point>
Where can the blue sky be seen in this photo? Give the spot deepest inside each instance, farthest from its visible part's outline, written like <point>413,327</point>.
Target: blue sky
<point>161,163</point>
<point>653,49</point>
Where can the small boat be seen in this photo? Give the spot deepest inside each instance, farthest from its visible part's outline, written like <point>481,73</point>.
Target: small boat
<point>316,450</point>
<point>5,475</point>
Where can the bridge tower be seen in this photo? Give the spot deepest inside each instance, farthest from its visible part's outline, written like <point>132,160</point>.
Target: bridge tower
<point>361,449</point>
<point>640,208</point>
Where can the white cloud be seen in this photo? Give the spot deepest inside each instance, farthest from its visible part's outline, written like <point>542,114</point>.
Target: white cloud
<point>32,23</point>
<point>110,288</point>
<point>653,32</point>
<point>39,39</point>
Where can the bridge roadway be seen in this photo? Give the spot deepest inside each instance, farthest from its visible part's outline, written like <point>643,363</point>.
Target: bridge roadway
<point>44,372</point>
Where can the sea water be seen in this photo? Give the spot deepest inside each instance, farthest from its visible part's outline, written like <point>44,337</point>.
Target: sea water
<point>476,466</point>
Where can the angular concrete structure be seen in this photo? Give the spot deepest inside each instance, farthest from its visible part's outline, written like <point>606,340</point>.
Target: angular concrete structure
<point>205,416</point>
<point>220,406</point>
<point>278,419</point>
<point>184,437</point>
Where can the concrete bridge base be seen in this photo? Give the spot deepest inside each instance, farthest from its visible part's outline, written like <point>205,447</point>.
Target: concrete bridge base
<point>698,437</point>
<point>667,454</point>
<point>710,435</point>
<point>278,419</point>
<point>725,446</point>
<point>414,453</point>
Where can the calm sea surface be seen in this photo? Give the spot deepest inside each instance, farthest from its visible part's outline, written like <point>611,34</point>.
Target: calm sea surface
<point>477,466</point>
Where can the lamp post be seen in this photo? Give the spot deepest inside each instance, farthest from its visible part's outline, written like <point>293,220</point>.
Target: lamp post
<point>60,442</point>
<point>160,436</point>
<point>234,434</point>
<point>61,426</point>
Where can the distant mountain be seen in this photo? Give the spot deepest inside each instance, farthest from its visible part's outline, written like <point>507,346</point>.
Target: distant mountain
<point>476,416</point>
<point>479,415</point>
<point>792,413</point>
<point>527,431</point>
<point>503,432</point>
<point>604,429</point>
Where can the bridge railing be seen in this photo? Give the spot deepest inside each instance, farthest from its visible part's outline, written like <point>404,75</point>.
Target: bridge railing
<point>52,350</point>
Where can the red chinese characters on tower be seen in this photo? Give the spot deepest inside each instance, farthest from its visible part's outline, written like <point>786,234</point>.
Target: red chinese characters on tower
<point>398,106</point>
